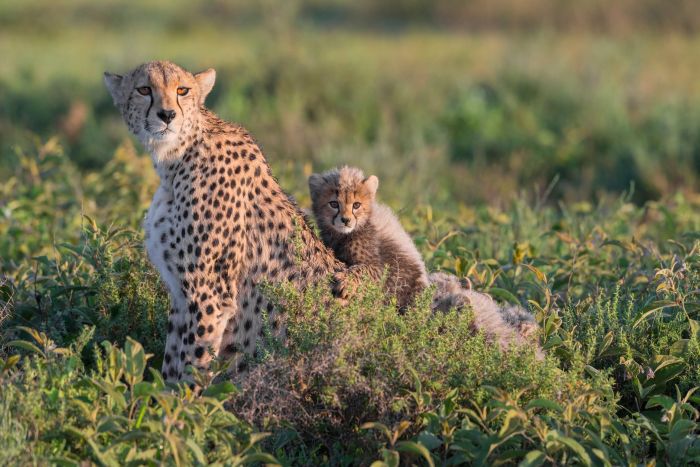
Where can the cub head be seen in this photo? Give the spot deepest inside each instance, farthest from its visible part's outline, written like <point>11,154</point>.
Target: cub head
<point>342,199</point>
<point>160,102</point>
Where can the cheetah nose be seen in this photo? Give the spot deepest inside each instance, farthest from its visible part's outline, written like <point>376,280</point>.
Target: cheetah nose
<point>345,220</point>
<point>166,115</point>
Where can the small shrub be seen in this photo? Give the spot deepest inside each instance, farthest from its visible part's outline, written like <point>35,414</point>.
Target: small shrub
<point>54,410</point>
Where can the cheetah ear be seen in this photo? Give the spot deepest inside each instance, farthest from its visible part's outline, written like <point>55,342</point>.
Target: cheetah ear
<point>114,85</point>
<point>372,183</point>
<point>205,81</point>
<point>315,184</point>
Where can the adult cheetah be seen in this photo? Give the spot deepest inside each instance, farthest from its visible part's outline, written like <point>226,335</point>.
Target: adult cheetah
<point>219,225</point>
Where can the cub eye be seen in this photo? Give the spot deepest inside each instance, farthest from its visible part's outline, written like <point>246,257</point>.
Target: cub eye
<point>356,205</point>
<point>182,91</point>
<point>333,204</point>
<point>144,91</point>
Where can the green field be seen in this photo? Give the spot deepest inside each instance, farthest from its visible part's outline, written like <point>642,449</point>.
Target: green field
<point>554,164</point>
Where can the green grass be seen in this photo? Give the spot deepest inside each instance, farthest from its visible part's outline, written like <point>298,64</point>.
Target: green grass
<point>556,169</point>
<point>613,285</point>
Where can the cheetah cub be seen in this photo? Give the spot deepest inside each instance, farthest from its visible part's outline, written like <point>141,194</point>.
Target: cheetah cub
<point>368,237</point>
<point>364,234</point>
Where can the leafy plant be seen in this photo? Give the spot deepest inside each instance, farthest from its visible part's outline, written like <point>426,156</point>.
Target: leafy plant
<point>112,415</point>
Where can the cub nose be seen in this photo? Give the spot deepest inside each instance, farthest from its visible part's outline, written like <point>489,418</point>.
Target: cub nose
<point>345,220</point>
<point>166,115</point>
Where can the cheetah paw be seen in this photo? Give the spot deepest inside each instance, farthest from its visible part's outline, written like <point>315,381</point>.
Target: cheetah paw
<point>341,286</point>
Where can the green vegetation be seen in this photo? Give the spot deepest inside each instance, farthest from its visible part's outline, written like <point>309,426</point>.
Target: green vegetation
<point>556,169</point>
<point>439,111</point>
<point>613,285</point>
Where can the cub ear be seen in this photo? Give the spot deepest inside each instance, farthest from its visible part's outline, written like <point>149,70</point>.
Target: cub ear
<point>114,84</point>
<point>315,184</point>
<point>372,183</point>
<point>205,81</point>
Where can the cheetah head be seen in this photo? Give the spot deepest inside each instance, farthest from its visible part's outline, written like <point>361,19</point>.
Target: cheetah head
<point>160,103</point>
<point>342,198</point>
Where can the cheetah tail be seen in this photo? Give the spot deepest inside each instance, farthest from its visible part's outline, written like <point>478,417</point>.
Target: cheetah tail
<point>505,324</point>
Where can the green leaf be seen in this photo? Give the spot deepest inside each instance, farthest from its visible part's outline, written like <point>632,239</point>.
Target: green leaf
<point>147,456</point>
<point>429,440</point>
<point>63,462</point>
<point>605,345</point>
<point>103,458</point>
<point>544,404</point>
<point>553,341</point>
<point>260,457</point>
<point>574,446</point>
<point>679,348</point>
<point>158,381</point>
<point>134,435</point>
<point>539,274</point>
<point>533,459</point>
<point>220,391</point>
<point>255,438</point>
<point>668,370</point>
<point>111,390</point>
<point>198,454</point>
<point>112,424</point>
<point>135,363</point>
<point>9,363</point>
<point>511,424</point>
<point>27,346</point>
<point>660,401</point>
<point>142,389</point>
<point>415,449</point>
<point>507,457</point>
<point>681,429</point>
<point>391,458</point>
<point>652,308</point>
<point>504,294</point>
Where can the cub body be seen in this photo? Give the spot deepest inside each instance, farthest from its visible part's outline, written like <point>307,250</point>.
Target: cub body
<point>364,234</point>
<point>368,237</point>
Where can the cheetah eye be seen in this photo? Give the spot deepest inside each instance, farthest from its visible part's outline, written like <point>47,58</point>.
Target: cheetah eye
<point>144,90</point>
<point>333,204</point>
<point>182,91</point>
<point>356,205</point>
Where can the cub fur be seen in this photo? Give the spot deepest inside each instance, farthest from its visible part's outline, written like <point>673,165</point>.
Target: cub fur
<point>364,234</point>
<point>505,324</point>
<point>368,237</point>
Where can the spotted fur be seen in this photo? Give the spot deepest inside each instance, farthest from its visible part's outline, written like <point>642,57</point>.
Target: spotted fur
<point>219,225</point>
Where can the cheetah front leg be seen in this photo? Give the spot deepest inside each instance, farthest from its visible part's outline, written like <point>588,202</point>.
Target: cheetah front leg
<point>196,329</point>
<point>173,358</point>
<point>211,311</point>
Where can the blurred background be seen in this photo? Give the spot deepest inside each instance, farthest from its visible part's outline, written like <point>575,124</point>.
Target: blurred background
<point>446,101</point>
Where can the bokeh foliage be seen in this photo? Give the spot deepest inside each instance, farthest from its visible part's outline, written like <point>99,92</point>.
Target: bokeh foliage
<point>442,109</point>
